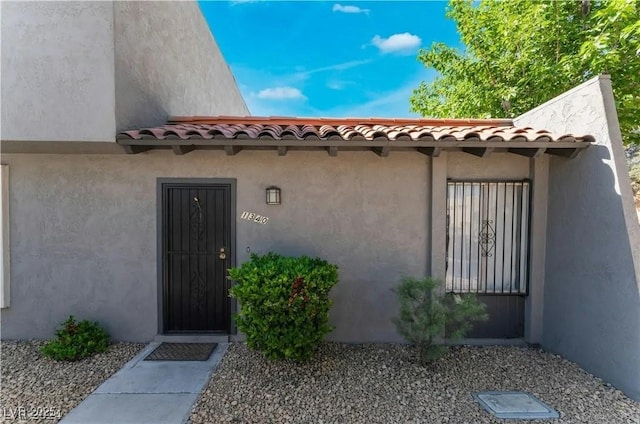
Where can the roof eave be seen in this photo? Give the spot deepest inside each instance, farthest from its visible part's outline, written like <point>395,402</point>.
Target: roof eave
<point>382,147</point>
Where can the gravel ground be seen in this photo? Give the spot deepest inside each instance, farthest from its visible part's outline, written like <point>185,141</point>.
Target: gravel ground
<point>38,389</point>
<point>384,384</point>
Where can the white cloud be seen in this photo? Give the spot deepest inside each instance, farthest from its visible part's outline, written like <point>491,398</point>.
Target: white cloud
<point>403,43</point>
<point>349,9</point>
<point>392,103</point>
<point>281,93</point>
<point>237,2</point>
<point>335,85</point>
<point>302,75</point>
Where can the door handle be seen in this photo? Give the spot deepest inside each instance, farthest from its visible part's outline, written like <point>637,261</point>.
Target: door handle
<point>222,254</point>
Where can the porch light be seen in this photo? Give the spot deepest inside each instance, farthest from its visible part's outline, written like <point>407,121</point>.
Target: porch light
<point>273,195</point>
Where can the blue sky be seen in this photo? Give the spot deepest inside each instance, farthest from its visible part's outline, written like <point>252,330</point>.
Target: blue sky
<point>332,59</point>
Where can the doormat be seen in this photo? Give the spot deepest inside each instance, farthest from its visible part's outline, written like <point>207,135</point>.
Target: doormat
<point>182,352</point>
<point>514,405</point>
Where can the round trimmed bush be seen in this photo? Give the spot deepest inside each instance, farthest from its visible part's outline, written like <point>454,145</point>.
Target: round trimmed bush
<point>284,303</point>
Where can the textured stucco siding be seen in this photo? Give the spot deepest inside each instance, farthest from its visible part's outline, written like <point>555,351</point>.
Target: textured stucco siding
<point>592,292</point>
<point>497,166</point>
<point>85,229</point>
<point>167,63</point>
<point>57,71</point>
<point>82,71</point>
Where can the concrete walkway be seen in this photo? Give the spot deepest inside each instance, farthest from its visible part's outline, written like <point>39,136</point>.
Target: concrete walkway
<point>158,392</point>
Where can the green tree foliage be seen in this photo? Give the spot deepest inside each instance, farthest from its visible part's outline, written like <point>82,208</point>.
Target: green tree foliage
<point>426,315</point>
<point>284,303</point>
<point>521,53</point>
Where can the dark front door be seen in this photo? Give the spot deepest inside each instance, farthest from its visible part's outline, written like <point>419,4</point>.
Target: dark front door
<point>196,255</point>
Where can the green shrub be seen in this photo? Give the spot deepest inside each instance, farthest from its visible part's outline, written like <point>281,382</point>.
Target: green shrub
<point>425,313</point>
<point>284,303</point>
<point>76,340</point>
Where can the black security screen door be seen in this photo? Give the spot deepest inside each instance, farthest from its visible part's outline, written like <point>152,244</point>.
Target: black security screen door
<point>196,243</point>
<point>487,237</point>
<point>488,251</point>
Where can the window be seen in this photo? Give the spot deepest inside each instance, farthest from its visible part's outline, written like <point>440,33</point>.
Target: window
<point>4,236</point>
<point>487,237</point>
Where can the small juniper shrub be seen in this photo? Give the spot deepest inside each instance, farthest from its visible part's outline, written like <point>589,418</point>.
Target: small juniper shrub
<point>284,303</point>
<point>76,340</point>
<point>425,313</point>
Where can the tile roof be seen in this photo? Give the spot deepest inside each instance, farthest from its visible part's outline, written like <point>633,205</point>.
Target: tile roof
<point>347,129</point>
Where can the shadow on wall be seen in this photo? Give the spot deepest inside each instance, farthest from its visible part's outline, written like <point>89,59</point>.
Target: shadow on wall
<point>135,106</point>
<point>291,249</point>
<point>592,298</point>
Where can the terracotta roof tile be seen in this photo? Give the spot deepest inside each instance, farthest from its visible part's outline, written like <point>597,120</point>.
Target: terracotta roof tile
<point>349,129</point>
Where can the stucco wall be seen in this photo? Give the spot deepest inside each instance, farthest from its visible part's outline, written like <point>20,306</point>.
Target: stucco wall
<point>167,63</point>
<point>592,296</point>
<point>498,165</point>
<point>82,71</point>
<point>57,71</point>
<point>87,232</point>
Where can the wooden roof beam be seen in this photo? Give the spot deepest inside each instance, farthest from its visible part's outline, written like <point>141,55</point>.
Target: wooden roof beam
<point>381,151</point>
<point>565,152</point>
<point>530,153</point>
<point>232,150</point>
<point>132,150</point>
<point>481,152</point>
<point>182,150</point>
<point>430,151</point>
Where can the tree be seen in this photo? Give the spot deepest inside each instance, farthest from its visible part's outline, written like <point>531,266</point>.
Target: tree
<point>521,53</point>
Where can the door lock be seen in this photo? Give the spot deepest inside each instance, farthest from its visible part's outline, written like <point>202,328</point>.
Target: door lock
<point>223,254</point>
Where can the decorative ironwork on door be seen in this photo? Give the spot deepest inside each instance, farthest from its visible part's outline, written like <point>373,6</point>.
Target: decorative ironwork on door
<point>198,222</point>
<point>196,237</point>
<point>487,237</point>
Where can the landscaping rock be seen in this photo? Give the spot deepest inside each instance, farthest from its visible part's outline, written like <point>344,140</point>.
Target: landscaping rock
<point>385,384</point>
<point>36,389</point>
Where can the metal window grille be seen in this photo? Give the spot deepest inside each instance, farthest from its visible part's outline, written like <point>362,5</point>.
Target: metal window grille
<point>487,237</point>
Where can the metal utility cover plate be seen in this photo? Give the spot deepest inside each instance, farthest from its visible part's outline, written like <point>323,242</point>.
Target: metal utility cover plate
<point>514,405</point>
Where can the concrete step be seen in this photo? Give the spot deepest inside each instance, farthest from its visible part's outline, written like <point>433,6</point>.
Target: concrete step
<point>192,338</point>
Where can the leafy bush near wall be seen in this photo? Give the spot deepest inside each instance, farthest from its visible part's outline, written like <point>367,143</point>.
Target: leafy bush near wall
<point>76,340</point>
<point>284,303</point>
<point>425,312</point>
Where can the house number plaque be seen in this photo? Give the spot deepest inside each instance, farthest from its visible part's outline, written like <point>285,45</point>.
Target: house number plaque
<point>251,216</point>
